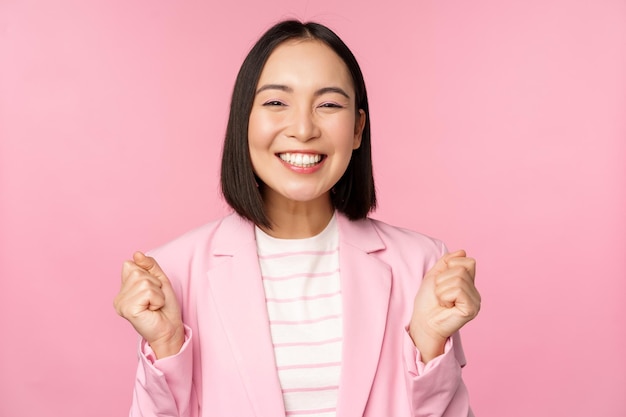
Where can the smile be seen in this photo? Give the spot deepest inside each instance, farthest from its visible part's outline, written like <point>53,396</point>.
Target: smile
<point>302,160</point>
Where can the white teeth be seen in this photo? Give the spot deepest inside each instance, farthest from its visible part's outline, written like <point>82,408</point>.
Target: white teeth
<point>301,160</point>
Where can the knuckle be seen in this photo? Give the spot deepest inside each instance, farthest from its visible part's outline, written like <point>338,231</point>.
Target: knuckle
<point>470,313</point>
<point>144,284</point>
<point>127,266</point>
<point>136,275</point>
<point>129,271</point>
<point>473,310</point>
<point>119,304</point>
<point>466,314</point>
<point>116,306</point>
<point>151,293</point>
<point>457,292</point>
<point>458,269</point>
<point>122,310</point>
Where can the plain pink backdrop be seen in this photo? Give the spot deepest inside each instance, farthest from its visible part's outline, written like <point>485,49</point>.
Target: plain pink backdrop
<point>497,126</point>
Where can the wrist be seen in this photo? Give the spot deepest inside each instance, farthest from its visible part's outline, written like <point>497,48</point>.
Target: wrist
<point>169,345</point>
<point>429,345</point>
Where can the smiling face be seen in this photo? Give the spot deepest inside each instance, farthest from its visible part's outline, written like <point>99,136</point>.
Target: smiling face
<point>303,125</point>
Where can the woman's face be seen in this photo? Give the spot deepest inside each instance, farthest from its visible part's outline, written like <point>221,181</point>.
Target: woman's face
<point>303,125</point>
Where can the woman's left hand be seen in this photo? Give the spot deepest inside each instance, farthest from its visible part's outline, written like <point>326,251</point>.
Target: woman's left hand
<point>446,300</point>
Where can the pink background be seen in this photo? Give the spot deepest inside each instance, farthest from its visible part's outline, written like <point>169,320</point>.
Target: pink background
<point>498,127</point>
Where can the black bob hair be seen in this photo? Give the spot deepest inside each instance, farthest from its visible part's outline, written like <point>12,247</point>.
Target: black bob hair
<point>354,194</point>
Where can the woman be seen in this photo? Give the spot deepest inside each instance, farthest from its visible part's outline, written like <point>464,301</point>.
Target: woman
<point>298,304</point>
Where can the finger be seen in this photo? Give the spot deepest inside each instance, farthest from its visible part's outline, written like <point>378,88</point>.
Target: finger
<point>446,299</point>
<point>149,264</point>
<point>144,261</point>
<point>455,289</point>
<point>140,298</point>
<point>152,294</point>
<point>457,276</point>
<point>154,300</point>
<point>132,273</point>
<point>456,254</point>
<point>466,304</point>
<point>127,268</point>
<point>467,263</point>
<point>455,286</point>
<point>452,274</point>
<point>448,292</point>
<point>442,264</point>
<point>466,300</point>
<point>170,303</point>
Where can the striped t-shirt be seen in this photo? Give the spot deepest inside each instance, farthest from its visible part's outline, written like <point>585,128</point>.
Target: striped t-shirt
<point>303,297</point>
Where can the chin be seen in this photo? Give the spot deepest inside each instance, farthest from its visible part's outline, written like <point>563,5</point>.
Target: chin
<point>304,196</point>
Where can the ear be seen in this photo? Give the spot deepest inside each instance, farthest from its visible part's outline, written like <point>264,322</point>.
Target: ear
<point>359,125</point>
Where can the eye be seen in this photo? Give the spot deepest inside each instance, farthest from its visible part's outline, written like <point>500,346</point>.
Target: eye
<point>331,105</point>
<point>272,103</point>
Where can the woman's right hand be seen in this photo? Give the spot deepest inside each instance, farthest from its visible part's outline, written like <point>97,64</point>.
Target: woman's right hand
<point>149,303</point>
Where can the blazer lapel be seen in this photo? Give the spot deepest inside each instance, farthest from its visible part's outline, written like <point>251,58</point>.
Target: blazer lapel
<point>236,285</point>
<point>239,296</point>
<point>365,288</point>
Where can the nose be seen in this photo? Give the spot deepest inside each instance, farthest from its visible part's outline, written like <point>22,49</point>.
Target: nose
<point>303,125</point>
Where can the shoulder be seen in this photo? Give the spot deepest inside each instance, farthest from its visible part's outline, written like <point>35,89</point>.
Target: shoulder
<point>408,254</point>
<point>398,236</point>
<point>394,234</point>
<point>201,245</point>
<point>190,240</point>
<point>396,245</point>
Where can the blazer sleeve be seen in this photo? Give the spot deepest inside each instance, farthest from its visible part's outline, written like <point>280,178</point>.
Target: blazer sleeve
<point>164,387</point>
<point>437,388</point>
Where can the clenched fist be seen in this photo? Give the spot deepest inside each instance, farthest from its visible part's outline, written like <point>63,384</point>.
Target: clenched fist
<point>148,302</point>
<point>445,302</point>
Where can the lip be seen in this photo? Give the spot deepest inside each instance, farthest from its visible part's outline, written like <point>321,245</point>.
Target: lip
<point>302,170</point>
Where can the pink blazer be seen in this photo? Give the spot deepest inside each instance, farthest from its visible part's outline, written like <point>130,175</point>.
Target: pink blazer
<point>226,366</point>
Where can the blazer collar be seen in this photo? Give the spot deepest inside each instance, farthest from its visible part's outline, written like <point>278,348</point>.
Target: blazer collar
<point>365,290</point>
<point>239,296</point>
<point>236,287</point>
<point>359,234</point>
<point>235,232</point>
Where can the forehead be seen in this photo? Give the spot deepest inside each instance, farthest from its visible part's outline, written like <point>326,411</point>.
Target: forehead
<point>305,61</point>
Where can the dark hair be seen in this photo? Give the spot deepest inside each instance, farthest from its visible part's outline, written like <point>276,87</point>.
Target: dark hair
<point>354,194</point>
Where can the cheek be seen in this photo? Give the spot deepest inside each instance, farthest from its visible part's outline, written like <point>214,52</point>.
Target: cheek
<point>261,129</point>
<point>343,132</point>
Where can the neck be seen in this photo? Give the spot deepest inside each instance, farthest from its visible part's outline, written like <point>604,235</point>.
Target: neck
<point>298,220</point>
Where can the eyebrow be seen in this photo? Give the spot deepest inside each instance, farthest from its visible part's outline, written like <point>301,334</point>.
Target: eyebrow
<point>287,89</point>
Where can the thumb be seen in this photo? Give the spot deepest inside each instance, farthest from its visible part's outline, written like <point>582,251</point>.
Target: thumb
<point>149,264</point>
